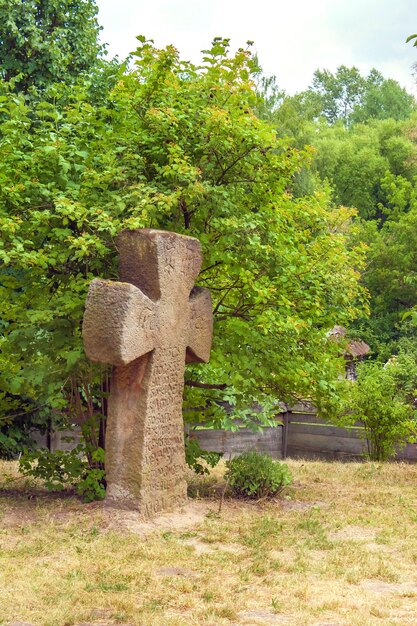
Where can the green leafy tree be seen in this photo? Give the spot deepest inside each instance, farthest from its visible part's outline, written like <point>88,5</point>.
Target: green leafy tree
<point>370,166</point>
<point>391,275</point>
<point>338,118</point>
<point>175,146</point>
<point>47,41</point>
<point>362,135</point>
<point>271,97</point>
<point>349,97</point>
<point>340,93</point>
<point>382,400</point>
<point>383,99</point>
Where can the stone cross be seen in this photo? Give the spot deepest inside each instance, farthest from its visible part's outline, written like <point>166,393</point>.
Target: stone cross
<point>148,327</point>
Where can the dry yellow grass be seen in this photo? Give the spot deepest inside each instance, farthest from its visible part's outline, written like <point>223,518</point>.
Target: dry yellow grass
<point>339,548</point>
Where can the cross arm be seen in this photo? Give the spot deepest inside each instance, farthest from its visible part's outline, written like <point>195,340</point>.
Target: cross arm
<point>200,331</point>
<point>119,323</point>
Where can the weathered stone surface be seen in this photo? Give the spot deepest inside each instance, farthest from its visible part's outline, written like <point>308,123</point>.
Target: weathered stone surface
<point>119,323</point>
<point>148,326</point>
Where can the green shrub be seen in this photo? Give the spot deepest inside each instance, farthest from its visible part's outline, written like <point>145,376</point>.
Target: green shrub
<point>256,475</point>
<point>61,469</point>
<point>382,400</point>
<point>13,440</point>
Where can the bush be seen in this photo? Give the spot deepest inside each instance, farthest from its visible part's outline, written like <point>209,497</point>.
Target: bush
<point>382,400</point>
<point>14,440</point>
<point>61,469</point>
<point>256,475</point>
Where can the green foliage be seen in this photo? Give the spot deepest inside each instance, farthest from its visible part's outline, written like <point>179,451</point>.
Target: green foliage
<point>19,417</point>
<point>194,454</point>
<point>382,400</point>
<point>383,99</point>
<point>14,438</point>
<point>390,276</point>
<point>271,97</point>
<point>349,97</point>
<point>256,475</point>
<point>338,93</point>
<point>178,147</point>
<point>61,469</point>
<point>361,129</point>
<point>370,167</point>
<point>47,41</point>
<point>373,167</point>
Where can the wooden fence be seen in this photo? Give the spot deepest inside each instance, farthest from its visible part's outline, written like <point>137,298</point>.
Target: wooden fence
<point>231,443</point>
<point>306,435</point>
<point>58,440</point>
<point>299,433</point>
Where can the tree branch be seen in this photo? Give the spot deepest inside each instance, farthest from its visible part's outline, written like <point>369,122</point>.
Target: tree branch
<point>220,180</point>
<point>222,299</point>
<point>185,212</point>
<point>206,269</point>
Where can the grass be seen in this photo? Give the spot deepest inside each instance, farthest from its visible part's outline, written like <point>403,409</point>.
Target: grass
<point>339,548</point>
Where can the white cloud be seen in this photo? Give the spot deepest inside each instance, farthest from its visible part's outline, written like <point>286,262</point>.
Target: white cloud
<point>292,38</point>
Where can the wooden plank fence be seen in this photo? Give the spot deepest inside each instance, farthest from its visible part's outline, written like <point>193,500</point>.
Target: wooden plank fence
<point>232,443</point>
<point>299,433</point>
<point>59,440</point>
<point>310,437</point>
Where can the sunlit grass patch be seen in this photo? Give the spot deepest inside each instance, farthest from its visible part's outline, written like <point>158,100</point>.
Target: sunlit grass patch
<point>340,546</point>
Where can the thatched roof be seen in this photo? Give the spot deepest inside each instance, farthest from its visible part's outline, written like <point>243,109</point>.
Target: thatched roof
<point>356,349</point>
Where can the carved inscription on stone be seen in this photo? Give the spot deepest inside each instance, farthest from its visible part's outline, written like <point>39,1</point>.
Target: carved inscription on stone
<point>148,326</point>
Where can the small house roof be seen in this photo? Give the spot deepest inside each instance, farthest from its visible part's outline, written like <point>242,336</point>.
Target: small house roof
<point>355,349</point>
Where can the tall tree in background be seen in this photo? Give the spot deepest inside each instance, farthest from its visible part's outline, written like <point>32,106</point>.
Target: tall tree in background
<point>343,97</point>
<point>363,133</point>
<point>338,94</point>
<point>383,99</point>
<point>47,41</point>
<point>368,165</point>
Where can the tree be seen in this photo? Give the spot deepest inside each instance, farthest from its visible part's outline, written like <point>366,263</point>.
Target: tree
<point>391,275</point>
<point>383,99</point>
<point>349,97</point>
<point>177,147</point>
<point>270,96</point>
<point>370,166</point>
<point>47,41</point>
<point>339,93</point>
<point>379,400</point>
<point>362,134</point>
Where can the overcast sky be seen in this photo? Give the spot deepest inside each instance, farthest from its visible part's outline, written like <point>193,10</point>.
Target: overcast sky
<point>292,37</point>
